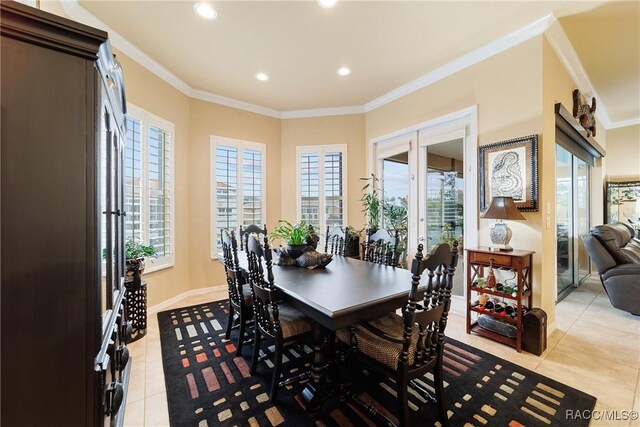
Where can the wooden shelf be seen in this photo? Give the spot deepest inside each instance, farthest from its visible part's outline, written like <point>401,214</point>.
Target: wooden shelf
<point>498,294</point>
<point>507,319</point>
<point>518,261</point>
<point>478,330</point>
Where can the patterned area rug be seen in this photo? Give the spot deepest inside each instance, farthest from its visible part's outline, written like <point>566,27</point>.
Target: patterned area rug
<point>207,385</point>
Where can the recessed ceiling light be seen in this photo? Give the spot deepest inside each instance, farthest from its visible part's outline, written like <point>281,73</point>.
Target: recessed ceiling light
<point>205,10</point>
<point>327,4</point>
<point>344,71</point>
<point>262,77</point>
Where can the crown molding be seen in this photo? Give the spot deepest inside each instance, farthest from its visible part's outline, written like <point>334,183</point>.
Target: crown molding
<point>320,112</point>
<point>561,44</point>
<point>484,52</point>
<point>623,123</point>
<point>547,25</point>
<point>234,103</point>
<point>77,12</point>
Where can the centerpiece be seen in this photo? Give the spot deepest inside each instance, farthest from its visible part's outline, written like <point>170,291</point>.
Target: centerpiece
<point>301,239</point>
<point>297,236</point>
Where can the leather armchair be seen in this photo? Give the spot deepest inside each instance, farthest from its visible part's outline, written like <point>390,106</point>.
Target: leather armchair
<point>616,255</point>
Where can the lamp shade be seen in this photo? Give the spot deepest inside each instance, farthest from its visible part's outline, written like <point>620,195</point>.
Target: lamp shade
<point>503,208</point>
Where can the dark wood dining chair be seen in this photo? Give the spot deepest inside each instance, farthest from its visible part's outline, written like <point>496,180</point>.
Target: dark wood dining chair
<point>240,295</point>
<point>275,320</point>
<point>382,248</point>
<point>335,241</point>
<point>409,346</point>
<point>245,232</point>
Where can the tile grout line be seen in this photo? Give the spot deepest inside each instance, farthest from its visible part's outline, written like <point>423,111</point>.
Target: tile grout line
<point>583,352</point>
<point>565,333</point>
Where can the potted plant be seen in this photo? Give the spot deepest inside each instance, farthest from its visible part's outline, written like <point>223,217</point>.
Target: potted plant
<point>135,253</point>
<point>396,219</point>
<point>297,236</point>
<point>371,204</point>
<point>448,236</point>
<point>353,241</point>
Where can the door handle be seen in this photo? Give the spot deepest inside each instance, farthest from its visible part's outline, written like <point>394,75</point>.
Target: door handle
<point>113,396</point>
<point>122,357</point>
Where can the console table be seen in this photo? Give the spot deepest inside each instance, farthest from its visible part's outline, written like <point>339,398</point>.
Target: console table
<point>520,262</point>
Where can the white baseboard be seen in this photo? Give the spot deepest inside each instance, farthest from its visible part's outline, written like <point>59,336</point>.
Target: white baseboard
<point>164,305</point>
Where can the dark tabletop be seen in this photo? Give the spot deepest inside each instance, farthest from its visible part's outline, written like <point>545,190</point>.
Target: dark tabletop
<point>344,292</point>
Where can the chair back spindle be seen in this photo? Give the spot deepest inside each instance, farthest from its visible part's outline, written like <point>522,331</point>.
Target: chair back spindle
<point>429,315</point>
<point>251,229</point>
<point>411,345</point>
<point>336,241</point>
<point>382,248</point>
<point>231,263</point>
<point>264,289</point>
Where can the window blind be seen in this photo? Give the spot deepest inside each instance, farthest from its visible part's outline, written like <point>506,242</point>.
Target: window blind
<point>148,184</point>
<point>321,186</point>
<point>238,180</point>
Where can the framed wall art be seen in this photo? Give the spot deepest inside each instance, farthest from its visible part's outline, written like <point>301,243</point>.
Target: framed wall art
<point>510,168</point>
<point>622,203</point>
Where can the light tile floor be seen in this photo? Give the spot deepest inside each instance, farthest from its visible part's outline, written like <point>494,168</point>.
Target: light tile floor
<point>595,348</point>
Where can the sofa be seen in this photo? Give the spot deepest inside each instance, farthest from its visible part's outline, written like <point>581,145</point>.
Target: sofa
<point>616,255</point>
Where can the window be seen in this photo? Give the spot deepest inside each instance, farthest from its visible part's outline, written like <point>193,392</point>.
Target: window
<point>237,186</point>
<point>322,185</point>
<point>148,184</point>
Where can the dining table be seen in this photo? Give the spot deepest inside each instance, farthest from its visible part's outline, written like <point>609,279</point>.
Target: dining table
<point>344,292</point>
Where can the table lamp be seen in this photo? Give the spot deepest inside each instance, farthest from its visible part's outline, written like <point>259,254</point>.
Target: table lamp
<point>502,208</point>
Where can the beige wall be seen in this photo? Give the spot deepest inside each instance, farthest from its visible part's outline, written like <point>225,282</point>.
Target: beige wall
<point>348,130</point>
<point>508,91</point>
<point>622,161</point>
<point>208,119</point>
<point>195,121</point>
<point>152,94</point>
<point>557,87</point>
<point>515,92</point>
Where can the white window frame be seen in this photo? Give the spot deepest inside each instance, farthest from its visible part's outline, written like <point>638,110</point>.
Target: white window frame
<point>149,119</point>
<point>240,145</point>
<point>320,151</point>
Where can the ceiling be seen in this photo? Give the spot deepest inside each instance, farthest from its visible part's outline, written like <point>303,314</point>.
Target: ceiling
<point>387,44</point>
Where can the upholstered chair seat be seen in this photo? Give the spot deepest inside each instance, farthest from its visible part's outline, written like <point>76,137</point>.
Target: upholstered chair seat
<point>381,340</point>
<point>408,346</point>
<point>276,321</point>
<point>292,322</point>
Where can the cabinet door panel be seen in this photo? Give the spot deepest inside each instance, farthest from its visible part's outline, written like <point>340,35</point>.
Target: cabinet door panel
<point>49,314</point>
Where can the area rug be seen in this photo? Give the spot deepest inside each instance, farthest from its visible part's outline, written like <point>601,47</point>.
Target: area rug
<point>208,385</point>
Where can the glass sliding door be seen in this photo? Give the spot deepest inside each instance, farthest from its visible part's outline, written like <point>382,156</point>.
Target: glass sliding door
<point>583,220</point>
<point>442,198</point>
<point>429,170</point>
<point>564,223</point>
<point>394,172</point>
<point>572,220</point>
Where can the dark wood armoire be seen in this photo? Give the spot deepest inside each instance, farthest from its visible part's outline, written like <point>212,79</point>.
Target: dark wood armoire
<point>64,360</point>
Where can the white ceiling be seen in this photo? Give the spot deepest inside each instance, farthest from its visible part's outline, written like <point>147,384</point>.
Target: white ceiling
<point>386,44</point>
